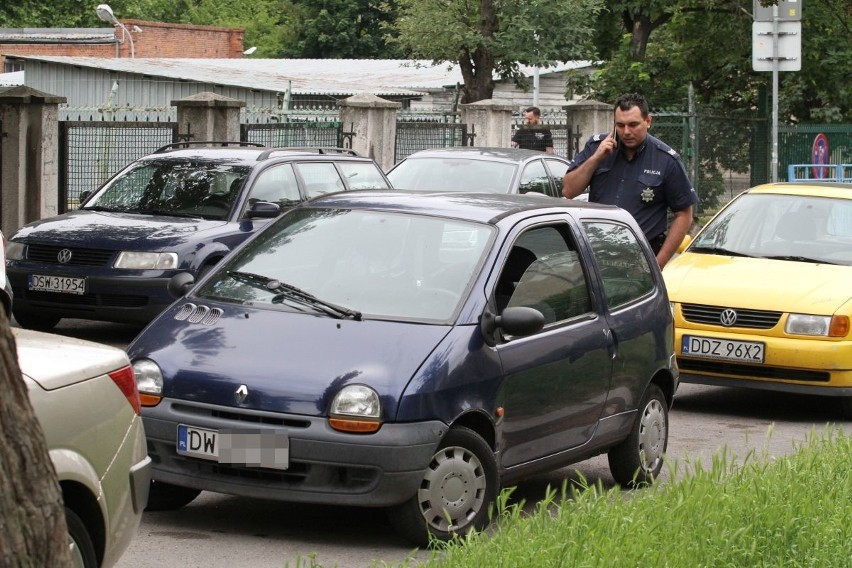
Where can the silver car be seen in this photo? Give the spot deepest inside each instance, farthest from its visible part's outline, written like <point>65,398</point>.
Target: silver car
<point>84,395</point>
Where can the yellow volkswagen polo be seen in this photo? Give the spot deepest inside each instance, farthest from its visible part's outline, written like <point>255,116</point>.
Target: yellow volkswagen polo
<point>762,296</point>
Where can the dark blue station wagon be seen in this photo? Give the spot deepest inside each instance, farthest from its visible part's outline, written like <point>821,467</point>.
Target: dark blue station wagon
<point>180,209</point>
<point>411,351</point>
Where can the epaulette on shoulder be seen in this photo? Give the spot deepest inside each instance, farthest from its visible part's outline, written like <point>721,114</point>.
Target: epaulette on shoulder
<point>599,137</point>
<point>662,146</point>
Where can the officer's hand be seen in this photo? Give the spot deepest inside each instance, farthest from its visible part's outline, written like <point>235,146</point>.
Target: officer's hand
<point>607,146</point>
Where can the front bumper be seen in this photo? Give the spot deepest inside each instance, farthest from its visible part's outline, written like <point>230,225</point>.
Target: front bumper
<point>123,299</point>
<point>325,466</point>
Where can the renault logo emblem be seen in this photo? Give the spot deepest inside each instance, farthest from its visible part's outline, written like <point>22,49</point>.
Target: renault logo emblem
<point>728,317</point>
<point>64,256</point>
<point>241,394</point>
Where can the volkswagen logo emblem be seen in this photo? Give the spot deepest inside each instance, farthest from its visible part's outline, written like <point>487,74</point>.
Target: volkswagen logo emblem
<point>64,256</point>
<point>241,394</point>
<point>728,317</point>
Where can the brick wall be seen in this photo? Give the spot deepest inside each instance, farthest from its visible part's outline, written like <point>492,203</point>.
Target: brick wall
<point>156,39</point>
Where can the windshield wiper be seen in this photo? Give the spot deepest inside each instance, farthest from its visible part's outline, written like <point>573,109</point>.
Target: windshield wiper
<point>99,208</point>
<point>166,213</point>
<point>293,293</point>
<point>719,250</point>
<point>799,259</point>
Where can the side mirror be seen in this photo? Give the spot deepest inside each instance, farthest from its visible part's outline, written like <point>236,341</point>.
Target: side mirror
<point>84,195</point>
<point>519,321</point>
<point>687,240</point>
<point>180,284</point>
<point>263,210</point>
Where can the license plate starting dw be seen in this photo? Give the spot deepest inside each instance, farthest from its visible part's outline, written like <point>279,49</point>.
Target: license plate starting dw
<point>251,448</point>
<point>714,348</point>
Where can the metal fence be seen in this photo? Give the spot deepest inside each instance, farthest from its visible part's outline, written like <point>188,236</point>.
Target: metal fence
<point>566,142</point>
<point>91,152</point>
<point>301,133</point>
<point>414,134</point>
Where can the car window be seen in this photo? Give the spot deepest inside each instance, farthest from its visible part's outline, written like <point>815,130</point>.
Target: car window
<point>320,178</point>
<point>363,175</point>
<point>171,187</point>
<point>557,169</point>
<point>453,174</point>
<point>534,179</point>
<point>276,185</point>
<point>544,271</point>
<point>625,273</point>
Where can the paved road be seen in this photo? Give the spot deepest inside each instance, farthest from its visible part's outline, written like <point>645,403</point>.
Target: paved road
<point>221,531</point>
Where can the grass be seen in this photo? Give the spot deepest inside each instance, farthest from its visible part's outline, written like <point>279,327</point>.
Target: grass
<point>794,511</point>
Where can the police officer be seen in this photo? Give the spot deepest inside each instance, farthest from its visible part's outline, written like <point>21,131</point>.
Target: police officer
<point>630,168</point>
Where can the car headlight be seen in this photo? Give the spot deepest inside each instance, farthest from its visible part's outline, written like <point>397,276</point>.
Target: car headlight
<point>16,251</point>
<point>821,326</point>
<point>149,381</point>
<point>146,260</point>
<point>355,408</point>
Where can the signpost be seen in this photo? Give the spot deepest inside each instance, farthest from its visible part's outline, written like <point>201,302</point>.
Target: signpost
<point>777,46</point>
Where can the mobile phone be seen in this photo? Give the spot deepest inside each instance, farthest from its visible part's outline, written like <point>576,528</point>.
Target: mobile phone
<point>615,135</point>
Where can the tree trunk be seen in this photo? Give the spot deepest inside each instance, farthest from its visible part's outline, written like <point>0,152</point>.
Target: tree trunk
<point>641,26</point>
<point>32,516</point>
<point>477,67</point>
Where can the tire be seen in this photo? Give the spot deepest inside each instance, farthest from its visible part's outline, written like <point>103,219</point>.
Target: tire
<point>168,497</point>
<point>29,320</point>
<point>460,484</point>
<point>79,542</point>
<point>638,459</point>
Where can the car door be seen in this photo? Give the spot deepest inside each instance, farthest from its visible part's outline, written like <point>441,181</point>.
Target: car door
<point>637,310</point>
<point>555,381</point>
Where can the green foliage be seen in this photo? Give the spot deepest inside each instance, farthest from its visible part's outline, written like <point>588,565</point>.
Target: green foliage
<point>757,511</point>
<point>494,35</point>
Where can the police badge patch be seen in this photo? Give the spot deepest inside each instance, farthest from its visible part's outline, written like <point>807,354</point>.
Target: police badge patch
<point>647,195</point>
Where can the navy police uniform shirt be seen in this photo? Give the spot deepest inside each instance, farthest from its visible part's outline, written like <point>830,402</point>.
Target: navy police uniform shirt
<point>647,186</point>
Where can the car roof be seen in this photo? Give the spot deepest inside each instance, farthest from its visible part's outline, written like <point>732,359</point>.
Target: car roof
<point>805,188</point>
<point>477,207</point>
<point>483,153</point>
<point>251,154</point>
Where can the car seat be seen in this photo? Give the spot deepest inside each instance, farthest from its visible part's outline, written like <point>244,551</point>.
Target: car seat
<point>519,260</point>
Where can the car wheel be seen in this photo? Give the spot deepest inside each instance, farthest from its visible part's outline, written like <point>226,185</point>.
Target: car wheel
<point>458,487</point>
<point>79,542</point>
<point>29,320</point>
<point>168,497</point>
<point>639,458</point>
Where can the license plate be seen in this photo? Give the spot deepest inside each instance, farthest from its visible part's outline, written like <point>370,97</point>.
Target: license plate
<point>61,284</point>
<point>251,448</point>
<point>712,348</point>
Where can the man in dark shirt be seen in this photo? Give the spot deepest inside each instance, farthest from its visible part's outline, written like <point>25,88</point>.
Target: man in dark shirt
<point>532,135</point>
<point>630,168</point>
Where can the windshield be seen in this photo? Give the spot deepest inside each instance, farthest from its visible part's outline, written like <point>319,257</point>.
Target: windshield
<point>453,174</point>
<point>369,264</point>
<point>786,227</point>
<point>173,187</point>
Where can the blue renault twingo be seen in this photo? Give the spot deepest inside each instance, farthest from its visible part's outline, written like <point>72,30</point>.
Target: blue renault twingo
<point>412,351</point>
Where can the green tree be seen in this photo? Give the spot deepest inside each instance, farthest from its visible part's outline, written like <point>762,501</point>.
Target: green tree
<point>344,29</point>
<point>494,36</point>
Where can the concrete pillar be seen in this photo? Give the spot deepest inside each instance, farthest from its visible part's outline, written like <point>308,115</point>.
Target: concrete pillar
<point>490,121</point>
<point>373,122</point>
<point>592,117</point>
<point>29,156</point>
<point>208,117</point>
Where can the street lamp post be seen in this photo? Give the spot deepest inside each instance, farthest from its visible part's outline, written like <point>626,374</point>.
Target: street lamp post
<point>105,13</point>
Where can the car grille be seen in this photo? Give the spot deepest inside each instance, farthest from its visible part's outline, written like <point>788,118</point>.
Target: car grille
<point>79,257</point>
<point>711,315</point>
<point>751,371</point>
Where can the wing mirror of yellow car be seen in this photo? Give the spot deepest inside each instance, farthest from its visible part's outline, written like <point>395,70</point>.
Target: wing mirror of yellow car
<point>687,240</point>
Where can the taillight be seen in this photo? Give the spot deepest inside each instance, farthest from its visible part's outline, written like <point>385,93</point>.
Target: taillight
<point>127,383</point>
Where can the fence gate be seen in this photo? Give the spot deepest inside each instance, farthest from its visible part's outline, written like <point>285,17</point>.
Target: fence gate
<point>302,134</point>
<point>424,133</point>
<point>91,152</point>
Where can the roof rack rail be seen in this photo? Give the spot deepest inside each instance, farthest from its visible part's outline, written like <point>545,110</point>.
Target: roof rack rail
<point>312,149</point>
<point>197,143</point>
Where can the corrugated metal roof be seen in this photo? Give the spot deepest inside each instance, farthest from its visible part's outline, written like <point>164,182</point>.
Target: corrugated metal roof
<point>57,35</point>
<point>300,76</point>
<point>11,79</point>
